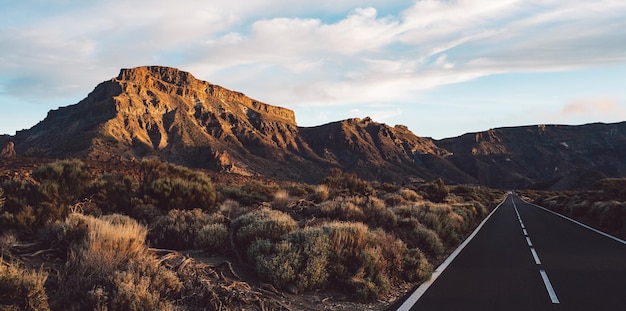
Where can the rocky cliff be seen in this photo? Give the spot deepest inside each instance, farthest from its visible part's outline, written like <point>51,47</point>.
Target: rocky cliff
<point>168,113</point>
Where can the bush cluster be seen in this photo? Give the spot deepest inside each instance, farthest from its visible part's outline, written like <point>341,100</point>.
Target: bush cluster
<point>186,229</point>
<point>22,289</point>
<point>341,254</point>
<point>176,187</point>
<point>109,266</point>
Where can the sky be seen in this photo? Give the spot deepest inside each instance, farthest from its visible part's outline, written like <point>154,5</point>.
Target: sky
<point>442,68</point>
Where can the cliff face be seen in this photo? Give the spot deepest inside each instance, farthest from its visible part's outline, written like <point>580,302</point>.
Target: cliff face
<point>165,112</point>
<point>161,111</point>
<point>543,156</point>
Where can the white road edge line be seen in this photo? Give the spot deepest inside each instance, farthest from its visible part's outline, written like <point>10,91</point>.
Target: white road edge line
<point>551,292</point>
<point>419,292</point>
<point>529,242</point>
<point>537,261</point>
<point>580,224</point>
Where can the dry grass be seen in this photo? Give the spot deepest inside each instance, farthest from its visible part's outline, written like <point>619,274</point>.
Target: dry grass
<point>22,289</point>
<point>109,266</point>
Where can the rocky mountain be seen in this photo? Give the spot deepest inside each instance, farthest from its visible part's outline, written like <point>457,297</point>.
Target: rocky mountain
<point>168,113</point>
<point>541,156</point>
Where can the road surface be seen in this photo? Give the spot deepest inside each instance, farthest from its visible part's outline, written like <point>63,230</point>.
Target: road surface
<point>526,258</point>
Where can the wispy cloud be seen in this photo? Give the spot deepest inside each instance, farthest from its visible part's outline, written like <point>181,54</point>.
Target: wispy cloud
<point>297,53</point>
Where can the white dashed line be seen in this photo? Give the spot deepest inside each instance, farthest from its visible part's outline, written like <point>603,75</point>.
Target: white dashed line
<point>525,232</point>
<point>551,291</point>
<point>537,261</point>
<point>529,242</point>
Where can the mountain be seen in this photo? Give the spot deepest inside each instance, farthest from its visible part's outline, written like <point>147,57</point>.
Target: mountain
<point>164,112</point>
<point>541,156</point>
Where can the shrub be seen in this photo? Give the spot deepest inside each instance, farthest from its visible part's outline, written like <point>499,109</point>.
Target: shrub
<point>183,229</point>
<point>261,224</point>
<point>341,208</point>
<point>436,191</point>
<point>212,237</point>
<point>62,182</point>
<point>339,181</point>
<point>22,289</point>
<point>282,199</point>
<point>176,187</point>
<point>109,266</point>
<point>347,255</point>
<point>416,266</point>
<point>321,193</point>
<point>113,192</point>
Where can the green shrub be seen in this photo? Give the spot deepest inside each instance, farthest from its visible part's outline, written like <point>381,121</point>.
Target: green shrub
<point>341,208</point>
<point>416,266</point>
<point>346,255</point>
<point>183,229</point>
<point>62,182</point>
<point>436,191</point>
<point>113,193</point>
<point>212,237</point>
<point>261,224</point>
<point>339,181</point>
<point>176,187</point>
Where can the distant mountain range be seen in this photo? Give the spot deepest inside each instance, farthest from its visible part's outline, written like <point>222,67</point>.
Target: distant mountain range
<point>167,113</point>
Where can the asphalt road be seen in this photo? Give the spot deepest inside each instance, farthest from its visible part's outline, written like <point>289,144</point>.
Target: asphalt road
<point>525,258</point>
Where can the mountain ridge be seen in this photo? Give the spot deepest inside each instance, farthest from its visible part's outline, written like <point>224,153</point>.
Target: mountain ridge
<point>168,113</point>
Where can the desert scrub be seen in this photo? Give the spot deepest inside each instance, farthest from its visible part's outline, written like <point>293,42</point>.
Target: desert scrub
<point>185,229</point>
<point>321,193</point>
<point>177,187</point>
<point>22,289</point>
<point>345,255</point>
<point>109,267</point>
<point>440,218</point>
<point>436,191</point>
<point>341,208</point>
<point>251,193</point>
<point>261,224</point>
<point>338,181</point>
<point>282,200</point>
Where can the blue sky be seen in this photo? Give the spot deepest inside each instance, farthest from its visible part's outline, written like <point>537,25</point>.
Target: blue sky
<point>443,68</point>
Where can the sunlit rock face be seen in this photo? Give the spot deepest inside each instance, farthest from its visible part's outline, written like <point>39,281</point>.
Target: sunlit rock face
<point>168,113</point>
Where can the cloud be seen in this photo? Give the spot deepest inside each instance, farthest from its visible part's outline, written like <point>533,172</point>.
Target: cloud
<point>597,107</point>
<point>306,52</point>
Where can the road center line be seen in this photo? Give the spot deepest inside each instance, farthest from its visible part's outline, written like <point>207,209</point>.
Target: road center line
<point>551,291</point>
<point>535,256</point>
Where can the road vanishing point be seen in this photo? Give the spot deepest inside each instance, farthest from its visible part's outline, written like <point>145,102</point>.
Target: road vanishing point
<point>524,257</point>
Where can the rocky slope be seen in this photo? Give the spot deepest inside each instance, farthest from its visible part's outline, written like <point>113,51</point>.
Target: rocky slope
<point>165,112</point>
<point>542,156</point>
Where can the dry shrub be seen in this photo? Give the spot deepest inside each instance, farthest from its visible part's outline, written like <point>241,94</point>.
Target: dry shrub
<point>441,218</point>
<point>109,267</point>
<point>321,194</point>
<point>416,266</point>
<point>213,237</point>
<point>410,195</point>
<point>181,229</point>
<point>282,199</point>
<point>262,224</point>
<point>342,208</point>
<point>22,289</point>
<point>176,187</point>
<point>346,255</point>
